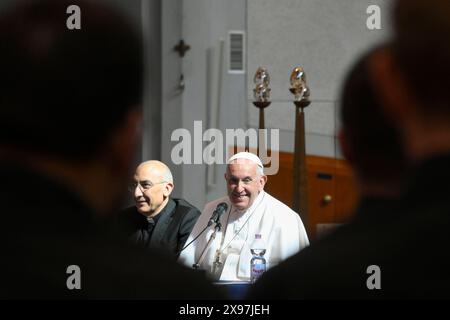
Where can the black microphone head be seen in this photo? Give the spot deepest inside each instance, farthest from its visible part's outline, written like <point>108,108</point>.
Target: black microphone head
<point>222,207</point>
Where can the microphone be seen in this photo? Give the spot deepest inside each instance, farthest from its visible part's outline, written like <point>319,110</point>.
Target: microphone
<point>220,209</point>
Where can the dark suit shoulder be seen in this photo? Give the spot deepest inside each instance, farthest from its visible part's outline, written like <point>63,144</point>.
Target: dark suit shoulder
<point>183,204</point>
<point>335,267</point>
<point>149,274</point>
<point>185,215</point>
<point>184,209</point>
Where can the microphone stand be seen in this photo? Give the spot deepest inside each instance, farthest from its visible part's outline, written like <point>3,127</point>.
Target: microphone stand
<point>204,229</point>
<point>217,227</point>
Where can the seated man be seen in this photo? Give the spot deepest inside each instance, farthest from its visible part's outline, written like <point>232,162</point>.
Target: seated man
<point>250,211</point>
<point>157,219</point>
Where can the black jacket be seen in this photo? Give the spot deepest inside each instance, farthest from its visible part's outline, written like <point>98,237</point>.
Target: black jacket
<point>172,228</point>
<point>46,228</point>
<point>408,239</point>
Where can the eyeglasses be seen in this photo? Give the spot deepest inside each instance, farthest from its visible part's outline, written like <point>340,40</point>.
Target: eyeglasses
<point>143,185</point>
<point>234,180</point>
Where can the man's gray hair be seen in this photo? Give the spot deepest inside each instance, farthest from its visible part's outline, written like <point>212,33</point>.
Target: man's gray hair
<point>167,176</point>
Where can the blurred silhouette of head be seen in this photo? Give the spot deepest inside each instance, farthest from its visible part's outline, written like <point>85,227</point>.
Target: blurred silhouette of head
<point>70,97</point>
<point>422,51</point>
<point>65,91</point>
<point>368,138</point>
<point>413,76</point>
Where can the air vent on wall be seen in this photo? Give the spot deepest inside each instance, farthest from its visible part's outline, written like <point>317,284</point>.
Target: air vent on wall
<point>236,42</point>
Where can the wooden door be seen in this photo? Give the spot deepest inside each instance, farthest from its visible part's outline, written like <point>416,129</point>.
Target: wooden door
<point>331,191</point>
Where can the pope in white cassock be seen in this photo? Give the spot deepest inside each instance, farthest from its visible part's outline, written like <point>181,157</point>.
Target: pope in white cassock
<point>250,211</point>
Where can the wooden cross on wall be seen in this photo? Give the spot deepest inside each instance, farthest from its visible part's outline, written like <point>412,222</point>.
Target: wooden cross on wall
<point>182,48</point>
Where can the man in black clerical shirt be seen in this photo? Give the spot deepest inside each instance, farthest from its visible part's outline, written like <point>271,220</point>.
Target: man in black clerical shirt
<point>157,220</point>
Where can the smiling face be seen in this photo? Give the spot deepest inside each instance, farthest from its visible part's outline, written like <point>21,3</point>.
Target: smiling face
<point>244,183</point>
<point>150,190</point>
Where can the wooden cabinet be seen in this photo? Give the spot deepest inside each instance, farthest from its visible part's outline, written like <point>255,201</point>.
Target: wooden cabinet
<point>332,194</point>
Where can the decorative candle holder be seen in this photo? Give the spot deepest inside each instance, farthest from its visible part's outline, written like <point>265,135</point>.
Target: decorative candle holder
<point>261,95</point>
<point>301,92</point>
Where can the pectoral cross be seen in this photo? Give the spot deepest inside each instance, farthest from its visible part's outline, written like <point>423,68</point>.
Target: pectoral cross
<point>217,265</point>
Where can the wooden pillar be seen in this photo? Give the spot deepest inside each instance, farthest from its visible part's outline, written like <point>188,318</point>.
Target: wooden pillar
<point>300,183</point>
<point>261,142</point>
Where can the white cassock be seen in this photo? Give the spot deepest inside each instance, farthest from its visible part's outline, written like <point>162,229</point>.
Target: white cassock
<point>280,227</point>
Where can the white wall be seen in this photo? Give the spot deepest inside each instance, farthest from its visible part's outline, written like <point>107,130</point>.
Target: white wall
<point>201,23</point>
<point>152,100</point>
<point>322,36</point>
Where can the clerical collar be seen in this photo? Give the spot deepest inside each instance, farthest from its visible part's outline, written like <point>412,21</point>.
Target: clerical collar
<point>152,220</point>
